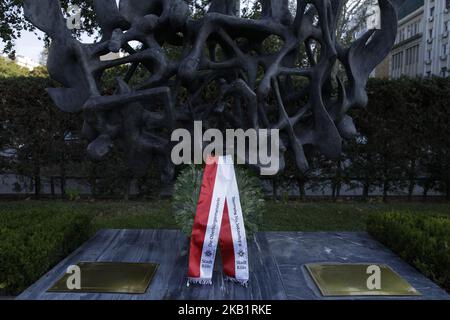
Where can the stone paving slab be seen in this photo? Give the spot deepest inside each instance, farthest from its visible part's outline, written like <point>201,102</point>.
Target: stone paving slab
<point>277,266</point>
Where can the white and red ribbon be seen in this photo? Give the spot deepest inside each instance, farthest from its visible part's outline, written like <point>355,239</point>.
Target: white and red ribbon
<point>218,220</point>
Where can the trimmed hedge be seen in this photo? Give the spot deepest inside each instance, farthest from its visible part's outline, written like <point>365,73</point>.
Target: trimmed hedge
<point>422,240</point>
<point>400,111</point>
<point>32,243</point>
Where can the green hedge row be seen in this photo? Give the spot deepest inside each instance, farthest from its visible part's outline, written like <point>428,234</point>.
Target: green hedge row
<point>420,239</point>
<point>404,143</point>
<point>32,243</point>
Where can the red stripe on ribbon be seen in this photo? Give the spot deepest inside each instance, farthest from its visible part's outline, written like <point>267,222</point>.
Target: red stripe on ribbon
<point>226,245</point>
<point>201,219</point>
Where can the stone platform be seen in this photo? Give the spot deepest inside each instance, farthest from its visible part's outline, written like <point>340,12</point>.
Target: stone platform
<point>276,266</point>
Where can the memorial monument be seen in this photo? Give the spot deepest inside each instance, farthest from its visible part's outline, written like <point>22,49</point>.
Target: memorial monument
<point>219,51</point>
<point>217,69</point>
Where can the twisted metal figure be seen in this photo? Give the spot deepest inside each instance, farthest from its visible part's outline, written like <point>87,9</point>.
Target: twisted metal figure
<point>220,50</point>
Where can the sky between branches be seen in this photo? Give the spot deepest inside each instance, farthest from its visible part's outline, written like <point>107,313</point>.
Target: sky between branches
<point>31,44</point>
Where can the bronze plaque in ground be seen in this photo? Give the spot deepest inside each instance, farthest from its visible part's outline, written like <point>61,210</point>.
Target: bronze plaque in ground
<point>109,277</point>
<point>359,280</point>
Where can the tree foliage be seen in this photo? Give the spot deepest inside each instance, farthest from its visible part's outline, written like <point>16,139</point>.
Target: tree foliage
<point>10,69</point>
<point>34,131</point>
<point>403,140</point>
<point>420,239</point>
<point>13,23</point>
<point>403,143</point>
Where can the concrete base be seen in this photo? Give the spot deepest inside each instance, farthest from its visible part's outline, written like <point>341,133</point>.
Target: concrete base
<point>277,269</point>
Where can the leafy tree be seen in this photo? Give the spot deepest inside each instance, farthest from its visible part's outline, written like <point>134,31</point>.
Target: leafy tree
<point>353,18</point>
<point>434,162</point>
<point>10,69</point>
<point>381,154</point>
<point>13,23</point>
<point>32,127</point>
<point>404,137</point>
<point>403,140</point>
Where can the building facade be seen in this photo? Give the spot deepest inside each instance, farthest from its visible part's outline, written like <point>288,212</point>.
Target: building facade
<point>437,16</point>
<point>407,56</point>
<point>22,61</point>
<point>26,62</point>
<point>422,47</point>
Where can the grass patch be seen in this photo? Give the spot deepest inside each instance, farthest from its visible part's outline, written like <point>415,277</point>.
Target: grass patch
<point>345,216</point>
<point>277,216</point>
<point>106,214</point>
<point>154,215</point>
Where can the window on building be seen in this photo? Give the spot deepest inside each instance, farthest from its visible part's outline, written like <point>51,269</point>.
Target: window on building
<point>397,61</point>
<point>430,33</point>
<point>446,25</point>
<point>412,56</point>
<point>444,72</point>
<point>447,3</point>
<point>444,49</point>
<point>431,11</point>
<point>429,54</point>
<point>416,54</point>
<point>429,74</point>
<point>408,57</point>
<point>402,35</point>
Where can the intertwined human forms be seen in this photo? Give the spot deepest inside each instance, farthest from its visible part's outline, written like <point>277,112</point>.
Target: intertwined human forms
<point>222,69</point>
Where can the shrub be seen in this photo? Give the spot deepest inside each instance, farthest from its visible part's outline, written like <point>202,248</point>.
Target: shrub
<point>422,240</point>
<point>187,190</point>
<point>73,194</point>
<point>32,243</point>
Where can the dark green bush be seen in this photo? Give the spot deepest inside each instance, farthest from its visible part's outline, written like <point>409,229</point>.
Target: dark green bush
<point>32,243</point>
<point>404,142</point>
<point>422,240</point>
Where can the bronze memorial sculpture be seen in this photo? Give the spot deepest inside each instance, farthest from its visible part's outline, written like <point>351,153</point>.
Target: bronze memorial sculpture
<point>220,49</point>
